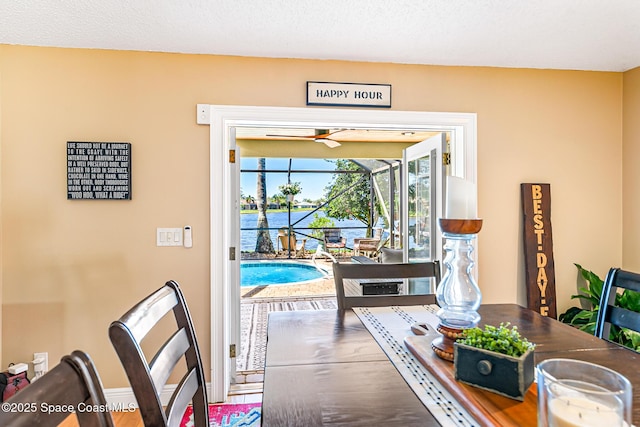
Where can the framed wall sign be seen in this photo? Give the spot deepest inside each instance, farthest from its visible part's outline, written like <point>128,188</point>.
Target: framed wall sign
<point>98,170</point>
<point>349,94</point>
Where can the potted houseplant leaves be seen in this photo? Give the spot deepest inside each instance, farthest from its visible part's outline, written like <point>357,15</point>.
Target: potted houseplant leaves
<point>496,359</point>
<point>585,318</point>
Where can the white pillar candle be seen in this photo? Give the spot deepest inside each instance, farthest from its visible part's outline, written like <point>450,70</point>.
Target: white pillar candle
<point>577,411</point>
<point>460,199</point>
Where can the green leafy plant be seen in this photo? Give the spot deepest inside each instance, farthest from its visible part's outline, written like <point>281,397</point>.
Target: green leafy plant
<point>501,339</point>
<point>293,188</point>
<point>585,318</point>
<point>318,223</point>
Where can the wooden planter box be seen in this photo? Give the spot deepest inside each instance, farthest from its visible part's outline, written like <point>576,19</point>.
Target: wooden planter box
<point>502,374</point>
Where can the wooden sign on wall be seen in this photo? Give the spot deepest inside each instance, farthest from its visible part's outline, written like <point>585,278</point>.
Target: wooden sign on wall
<point>98,170</point>
<point>538,248</point>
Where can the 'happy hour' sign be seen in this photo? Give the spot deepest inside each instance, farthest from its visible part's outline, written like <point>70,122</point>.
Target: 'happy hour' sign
<point>349,94</point>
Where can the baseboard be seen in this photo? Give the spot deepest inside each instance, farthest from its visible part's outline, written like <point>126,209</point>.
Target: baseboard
<point>124,397</point>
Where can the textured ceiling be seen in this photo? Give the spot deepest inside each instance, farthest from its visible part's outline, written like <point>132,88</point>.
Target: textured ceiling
<point>563,34</point>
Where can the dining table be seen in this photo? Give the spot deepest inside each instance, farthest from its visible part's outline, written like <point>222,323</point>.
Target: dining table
<point>336,367</point>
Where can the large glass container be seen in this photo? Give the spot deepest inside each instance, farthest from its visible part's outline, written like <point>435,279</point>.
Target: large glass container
<point>458,294</point>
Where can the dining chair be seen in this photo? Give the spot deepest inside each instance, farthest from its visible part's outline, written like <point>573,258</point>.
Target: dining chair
<point>610,314</point>
<point>353,274</point>
<point>148,376</point>
<point>71,385</point>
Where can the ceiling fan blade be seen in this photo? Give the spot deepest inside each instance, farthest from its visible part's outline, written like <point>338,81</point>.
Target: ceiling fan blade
<point>324,134</point>
<point>322,137</point>
<point>294,136</point>
<point>328,142</point>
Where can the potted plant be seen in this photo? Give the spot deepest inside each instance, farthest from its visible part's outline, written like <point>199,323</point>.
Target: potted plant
<point>290,190</point>
<point>585,318</point>
<point>496,359</point>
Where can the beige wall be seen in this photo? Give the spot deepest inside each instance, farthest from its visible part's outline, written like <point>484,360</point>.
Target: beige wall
<point>631,172</point>
<point>70,267</point>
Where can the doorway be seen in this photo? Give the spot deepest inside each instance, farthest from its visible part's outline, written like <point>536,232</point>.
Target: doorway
<point>224,187</point>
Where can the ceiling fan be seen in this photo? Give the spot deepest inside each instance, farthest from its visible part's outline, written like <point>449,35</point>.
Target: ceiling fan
<point>321,136</point>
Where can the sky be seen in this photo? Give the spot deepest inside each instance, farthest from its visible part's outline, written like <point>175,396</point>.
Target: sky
<point>312,184</point>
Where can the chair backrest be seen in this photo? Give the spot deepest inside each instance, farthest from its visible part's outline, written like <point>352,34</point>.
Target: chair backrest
<point>609,313</point>
<point>72,384</point>
<point>332,235</point>
<point>342,271</point>
<point>390,255</point>
<point>148,376</point>
<point>287,241</point>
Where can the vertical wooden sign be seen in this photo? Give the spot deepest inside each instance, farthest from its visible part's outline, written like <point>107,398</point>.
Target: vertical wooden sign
<point>538,248</point>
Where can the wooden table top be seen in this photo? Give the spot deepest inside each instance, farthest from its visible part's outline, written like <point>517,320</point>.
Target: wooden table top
<point>553,339</point>
<point>323,368</point>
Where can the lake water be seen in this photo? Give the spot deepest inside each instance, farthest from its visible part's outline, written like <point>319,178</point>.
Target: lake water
<point>280,219</point>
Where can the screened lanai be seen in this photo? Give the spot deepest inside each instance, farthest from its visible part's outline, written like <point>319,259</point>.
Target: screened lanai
<point>358,197</point>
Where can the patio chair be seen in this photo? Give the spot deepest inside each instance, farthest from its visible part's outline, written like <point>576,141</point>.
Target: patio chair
<point>291,242</point>
<point>365,246</point>
<point>333,239</point>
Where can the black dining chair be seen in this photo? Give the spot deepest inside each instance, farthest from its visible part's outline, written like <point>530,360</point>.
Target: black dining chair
<point>148,376</point>
<point>611,315</point>
<point>355,273</point>
<point>73,385</point>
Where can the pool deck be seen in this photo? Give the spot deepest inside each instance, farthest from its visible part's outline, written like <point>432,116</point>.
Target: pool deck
<point>320,287</point>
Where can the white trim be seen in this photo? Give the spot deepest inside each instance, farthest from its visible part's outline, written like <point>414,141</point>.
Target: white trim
<point>222,119</point>
<point>124,398</point>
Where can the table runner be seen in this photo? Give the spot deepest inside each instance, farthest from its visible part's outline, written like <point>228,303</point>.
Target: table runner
<point>389,326</point>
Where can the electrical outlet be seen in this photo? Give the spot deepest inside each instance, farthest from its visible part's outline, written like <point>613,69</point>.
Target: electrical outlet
<point>43,366</point>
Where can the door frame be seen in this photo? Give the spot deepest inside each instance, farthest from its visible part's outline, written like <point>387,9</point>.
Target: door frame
<point>225,118</point>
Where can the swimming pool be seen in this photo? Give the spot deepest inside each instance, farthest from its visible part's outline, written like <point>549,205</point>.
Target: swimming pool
<point>278,273</point>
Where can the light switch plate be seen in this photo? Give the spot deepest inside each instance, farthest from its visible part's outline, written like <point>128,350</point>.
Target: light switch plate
<point>203,115</point>
<point>169,236</point>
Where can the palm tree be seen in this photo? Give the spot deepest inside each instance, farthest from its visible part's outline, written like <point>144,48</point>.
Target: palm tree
<point>263,241</point>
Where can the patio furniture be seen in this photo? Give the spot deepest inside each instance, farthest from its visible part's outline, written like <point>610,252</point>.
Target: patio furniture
<point>383,275</point>
<point>365,246</point>
<point>333,239</point>
<point>290,243</point>
<point>149,375</point>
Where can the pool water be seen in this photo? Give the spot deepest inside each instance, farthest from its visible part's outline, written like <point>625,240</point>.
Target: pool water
<point>277,273</point>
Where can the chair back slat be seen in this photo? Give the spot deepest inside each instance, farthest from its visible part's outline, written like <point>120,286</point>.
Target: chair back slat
<point>148,376</point>
<point>182,397</point>
<point>342,271</point>
<point>332,235</point>
<point>73,383</point>
<point>623,318</point>
<point>141,319</point>
<point>609,314</point>
<point>168,357</point>
<point>628,280</point>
